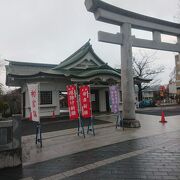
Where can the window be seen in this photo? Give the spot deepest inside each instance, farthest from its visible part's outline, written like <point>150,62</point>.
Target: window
<point>45,97</point>
<point>63,99</point>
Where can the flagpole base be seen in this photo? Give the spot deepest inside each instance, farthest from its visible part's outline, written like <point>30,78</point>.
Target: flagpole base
<point>163,121</point>
<point>130,123</point>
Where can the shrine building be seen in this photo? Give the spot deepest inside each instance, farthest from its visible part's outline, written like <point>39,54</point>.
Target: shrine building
<point>82,67</point>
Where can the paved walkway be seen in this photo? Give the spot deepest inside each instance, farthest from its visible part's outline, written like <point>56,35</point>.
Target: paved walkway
<point>150,152</point>
<point>49,125</point>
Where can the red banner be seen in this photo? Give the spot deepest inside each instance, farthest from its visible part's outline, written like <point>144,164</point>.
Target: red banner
<point>162,91</point>
<point>85,101</point>
<point>72,102</point>
<point>162,88</point>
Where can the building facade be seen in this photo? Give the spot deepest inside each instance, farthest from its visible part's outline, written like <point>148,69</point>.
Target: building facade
<point>82,67</point>
<point>177,65</point>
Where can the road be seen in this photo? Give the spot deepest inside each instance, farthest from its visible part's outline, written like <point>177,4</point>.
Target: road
<point>168,110</point>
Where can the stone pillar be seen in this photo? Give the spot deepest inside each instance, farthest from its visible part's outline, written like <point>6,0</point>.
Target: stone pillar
<point>127,82</point>
<point>157,36</point>
<point>10,142</point>
<point>178,40</point>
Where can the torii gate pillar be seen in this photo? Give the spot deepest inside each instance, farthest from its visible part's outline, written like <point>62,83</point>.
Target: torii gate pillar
<point>126,20</point>
<point>127,83</point>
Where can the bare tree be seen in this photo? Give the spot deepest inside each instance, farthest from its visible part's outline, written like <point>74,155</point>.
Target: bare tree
<point>144,69</point>
<point>1,69</point>
<point>172,75</point>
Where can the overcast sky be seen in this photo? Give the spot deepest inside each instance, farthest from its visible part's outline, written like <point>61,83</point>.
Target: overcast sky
<point>48,31</point>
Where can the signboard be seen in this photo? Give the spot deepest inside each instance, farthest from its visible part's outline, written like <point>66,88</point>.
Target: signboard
<point>115,98</point>
<point>85,101</point>
<point>162,88</point>
<point>34,101</point>
<point>162,91</point>
<point>72,102</point>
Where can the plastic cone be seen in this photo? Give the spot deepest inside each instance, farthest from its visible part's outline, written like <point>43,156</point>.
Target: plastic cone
<point>163,117</point>
<point>53,115</point>
<point>30,116</point>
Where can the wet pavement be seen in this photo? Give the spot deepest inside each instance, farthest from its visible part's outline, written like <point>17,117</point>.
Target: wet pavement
<point>149,152</point>
<point>63,122</point>
<point>49,125</point>
<point>160,162</point>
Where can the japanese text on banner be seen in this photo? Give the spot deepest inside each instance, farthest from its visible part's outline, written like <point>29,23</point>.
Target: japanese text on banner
<point>34,102</point>
<point>72,102</point>
<point>85,101</point>
<point>115,98</point>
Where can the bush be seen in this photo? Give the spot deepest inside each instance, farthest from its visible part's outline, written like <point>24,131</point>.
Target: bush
<point>4,106</point>
<point>1,106</point>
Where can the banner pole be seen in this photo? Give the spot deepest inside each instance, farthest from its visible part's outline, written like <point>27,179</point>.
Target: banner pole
<point>80,124</point>
<point>34,99</point>
<point>38,134</point>
<point>122,120</point>
<point>38,126</point>
<point>91,118</point>
<point>114,96</point>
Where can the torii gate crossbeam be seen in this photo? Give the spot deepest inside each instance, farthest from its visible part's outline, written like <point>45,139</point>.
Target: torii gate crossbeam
<point>126,20</point>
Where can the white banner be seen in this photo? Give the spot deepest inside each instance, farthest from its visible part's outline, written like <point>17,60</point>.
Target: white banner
<point>33,98</point>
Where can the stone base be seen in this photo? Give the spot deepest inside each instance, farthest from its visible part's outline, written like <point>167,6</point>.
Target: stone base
<point>10,158</point>
<point>130,123</point>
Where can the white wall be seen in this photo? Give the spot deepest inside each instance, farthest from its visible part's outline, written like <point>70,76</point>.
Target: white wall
<point>53,85</point>
<point>148,94</point>
<point>102,100</point>
<point>172,88</point>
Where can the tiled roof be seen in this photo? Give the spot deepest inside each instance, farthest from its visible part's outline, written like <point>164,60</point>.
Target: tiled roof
<point>80,53</point>
<point>67,68</point>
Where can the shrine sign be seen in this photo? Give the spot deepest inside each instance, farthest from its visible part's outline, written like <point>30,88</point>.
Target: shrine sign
<point>85,101</point>
<point>162,91</point>
<point>34,101</point>
<point>72,102</point>
<point>115,98</point>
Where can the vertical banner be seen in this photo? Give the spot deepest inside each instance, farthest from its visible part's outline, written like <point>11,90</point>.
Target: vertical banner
<point>72,102</point>
<point>162,91</point>
<point>85,101</point>
<point>34,102</point>
<point>115,98</point>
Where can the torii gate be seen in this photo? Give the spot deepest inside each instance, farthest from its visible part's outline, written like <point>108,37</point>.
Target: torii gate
<point>127,20</point>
